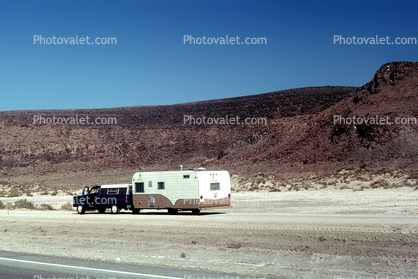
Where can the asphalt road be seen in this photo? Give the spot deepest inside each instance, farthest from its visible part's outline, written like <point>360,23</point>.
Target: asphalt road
<point>28,266</point>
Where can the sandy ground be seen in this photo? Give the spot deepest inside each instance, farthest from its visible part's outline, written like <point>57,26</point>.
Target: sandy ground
<point>298,234</point>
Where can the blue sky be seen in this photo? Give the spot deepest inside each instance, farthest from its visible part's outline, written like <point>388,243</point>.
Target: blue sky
<point>150,64</point>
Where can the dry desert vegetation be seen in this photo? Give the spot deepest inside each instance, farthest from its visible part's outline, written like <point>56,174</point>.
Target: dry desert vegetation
<point>351,223</point>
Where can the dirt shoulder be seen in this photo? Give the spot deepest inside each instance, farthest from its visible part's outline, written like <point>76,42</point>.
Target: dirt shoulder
<point>298,234</point>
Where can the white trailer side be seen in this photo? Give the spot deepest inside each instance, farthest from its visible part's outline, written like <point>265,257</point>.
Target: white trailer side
<point>181,190</point>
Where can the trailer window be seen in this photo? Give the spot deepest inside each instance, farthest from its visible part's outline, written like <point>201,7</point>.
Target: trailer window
<point>149,183</point>
<point>113,191</point>
<point>160,185</point>
<point>215,186</point>
<point>139,187</point>
<point>186,176</point>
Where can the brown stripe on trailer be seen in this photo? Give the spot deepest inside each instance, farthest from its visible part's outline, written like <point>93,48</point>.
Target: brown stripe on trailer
<point>212,204</point>
<point>187,204</point>
<point>160,202</point>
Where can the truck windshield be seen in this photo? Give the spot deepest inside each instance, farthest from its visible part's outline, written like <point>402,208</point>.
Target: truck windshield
<point>94,191</point>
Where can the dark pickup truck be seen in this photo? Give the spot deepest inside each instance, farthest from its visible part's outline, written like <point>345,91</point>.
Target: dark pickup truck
<point>115,197</point>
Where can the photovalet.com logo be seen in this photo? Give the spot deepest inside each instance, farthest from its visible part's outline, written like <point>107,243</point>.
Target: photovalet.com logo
<point>227,40</point>
<point>77,40</point>
<point>73,120</point>
<point>373,40</point>
<point>223,120</point>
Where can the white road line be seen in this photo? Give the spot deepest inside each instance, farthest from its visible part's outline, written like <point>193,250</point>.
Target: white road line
<point>90,268</point>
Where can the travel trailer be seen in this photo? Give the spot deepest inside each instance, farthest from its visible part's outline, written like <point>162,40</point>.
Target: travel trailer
<point>192,190</point>
<point>185,190</point>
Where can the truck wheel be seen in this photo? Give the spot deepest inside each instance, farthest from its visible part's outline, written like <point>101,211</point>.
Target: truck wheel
<point>80,209</point>
<point>115,209</point>
<point>135,210</point>
<point>196,211</point>
<point>102,210</point>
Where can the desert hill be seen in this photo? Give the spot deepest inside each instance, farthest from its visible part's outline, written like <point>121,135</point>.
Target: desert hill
<point>320,144</point>
<point>299,134</point>
<point>152,137</point>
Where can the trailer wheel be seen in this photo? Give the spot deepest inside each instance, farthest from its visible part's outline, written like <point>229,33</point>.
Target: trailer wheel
<point>196,211</point>
<point>135,210</point>
<point>115,209</point>
<point>102,210</point>
<point>81,209</point>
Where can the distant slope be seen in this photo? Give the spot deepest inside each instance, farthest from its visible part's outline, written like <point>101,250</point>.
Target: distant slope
<point>299,135</point>
<point>155,137</point>
<point>316,143</point>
